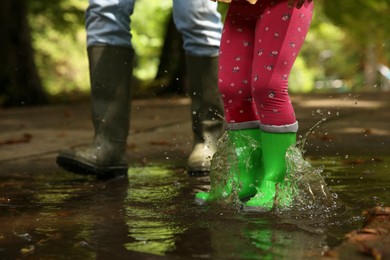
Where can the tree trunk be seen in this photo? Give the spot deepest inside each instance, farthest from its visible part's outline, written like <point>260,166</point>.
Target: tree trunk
<point>19,79</point>
<point>370,70</point>
<point>171,73</point>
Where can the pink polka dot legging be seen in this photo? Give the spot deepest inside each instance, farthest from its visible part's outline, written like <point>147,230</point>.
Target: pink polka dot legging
<point>258,49</point>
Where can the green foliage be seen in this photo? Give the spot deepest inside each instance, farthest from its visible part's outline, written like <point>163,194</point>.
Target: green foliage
<point>148,30</point>
<point>61,15</point>
<point>365,23</point>
<point>362,18</point>
<point>59,41</point>
<point>337,43</point>
<point>61,60</point>
<point>321,55</point>
<point>334,49</point>
<point>302,77</point>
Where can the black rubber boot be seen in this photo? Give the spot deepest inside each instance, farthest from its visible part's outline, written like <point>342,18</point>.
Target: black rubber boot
<point>110,72</point>
<point>206,110</point>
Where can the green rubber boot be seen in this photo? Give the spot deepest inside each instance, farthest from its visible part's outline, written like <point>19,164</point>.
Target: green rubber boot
<point>274,147</point>
<point>243,169</point>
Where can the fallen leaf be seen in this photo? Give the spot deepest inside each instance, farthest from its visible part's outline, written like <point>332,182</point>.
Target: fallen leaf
<point>162,142</point>
<point>25,138</point>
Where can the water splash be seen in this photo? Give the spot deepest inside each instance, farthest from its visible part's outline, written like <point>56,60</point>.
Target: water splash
<point>225,172</point>
<point>302,143</point>
<point>304,185</point>
<point>223,164</point>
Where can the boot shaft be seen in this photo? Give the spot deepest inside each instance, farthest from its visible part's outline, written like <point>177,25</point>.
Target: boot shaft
<point>206,104</point>
<point>110,75</point>
<point>274,148</point>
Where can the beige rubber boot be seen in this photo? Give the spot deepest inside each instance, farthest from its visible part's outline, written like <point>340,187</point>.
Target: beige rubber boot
<point>206,112</point>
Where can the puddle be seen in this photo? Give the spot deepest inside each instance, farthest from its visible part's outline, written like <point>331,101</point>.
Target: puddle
<point>151,215</point>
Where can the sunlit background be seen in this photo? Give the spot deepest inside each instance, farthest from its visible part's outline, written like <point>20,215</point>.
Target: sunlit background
<point>346,49</point>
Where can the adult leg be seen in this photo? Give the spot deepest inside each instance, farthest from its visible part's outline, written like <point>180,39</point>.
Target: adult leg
<point>200,24</point>
<point>110,56</point>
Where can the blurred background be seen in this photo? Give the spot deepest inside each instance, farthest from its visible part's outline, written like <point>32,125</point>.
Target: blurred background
<point>43,50</point>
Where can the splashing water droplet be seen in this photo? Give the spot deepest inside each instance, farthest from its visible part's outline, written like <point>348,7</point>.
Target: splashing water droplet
<point>304,188</point>
<point>303,184</point>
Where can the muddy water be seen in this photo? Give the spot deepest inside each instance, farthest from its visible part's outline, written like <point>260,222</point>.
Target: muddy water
<point>150,215</point>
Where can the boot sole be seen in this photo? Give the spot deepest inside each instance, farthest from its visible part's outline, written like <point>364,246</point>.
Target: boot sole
<point>202,202</point>
<point>84,168</point>
<point>252,209</point>
<point>199,202</point>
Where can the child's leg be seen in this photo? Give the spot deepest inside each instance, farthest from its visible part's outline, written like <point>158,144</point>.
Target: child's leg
<point>235,65</point>
<point>235,69</point>
<point>280,33</point>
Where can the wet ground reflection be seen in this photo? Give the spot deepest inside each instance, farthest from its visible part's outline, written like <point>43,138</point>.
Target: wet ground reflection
<point>151,215</point>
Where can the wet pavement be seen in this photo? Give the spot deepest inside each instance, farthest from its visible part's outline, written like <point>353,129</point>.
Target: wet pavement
<point>46,212</point>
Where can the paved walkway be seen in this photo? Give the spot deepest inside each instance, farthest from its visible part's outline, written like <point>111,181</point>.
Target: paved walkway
<point>30,137</point>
